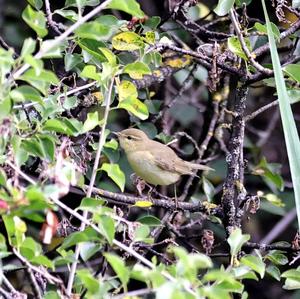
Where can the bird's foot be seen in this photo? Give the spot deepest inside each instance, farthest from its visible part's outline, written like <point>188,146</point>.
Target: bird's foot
<point>139,184</point>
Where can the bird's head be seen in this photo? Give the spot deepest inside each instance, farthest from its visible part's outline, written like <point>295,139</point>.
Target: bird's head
<point>132,139</point>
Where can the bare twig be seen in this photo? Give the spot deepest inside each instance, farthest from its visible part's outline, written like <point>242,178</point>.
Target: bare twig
<point>92,181</point>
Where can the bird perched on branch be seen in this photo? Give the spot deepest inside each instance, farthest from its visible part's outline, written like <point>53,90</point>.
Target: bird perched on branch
<point>154,162</point>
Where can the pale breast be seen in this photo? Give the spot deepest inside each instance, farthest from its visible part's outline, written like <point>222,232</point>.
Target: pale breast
<point>143,165</point>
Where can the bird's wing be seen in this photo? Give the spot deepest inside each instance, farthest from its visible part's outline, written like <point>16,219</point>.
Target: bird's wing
<point>166,159</point>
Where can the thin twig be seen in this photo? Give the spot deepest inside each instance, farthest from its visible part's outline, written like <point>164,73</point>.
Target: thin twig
<point>92,182</point>
<point>75,214</point>
<point>250,57</point>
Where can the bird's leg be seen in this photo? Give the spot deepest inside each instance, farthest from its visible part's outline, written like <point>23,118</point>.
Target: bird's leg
<point>152,188</point>
<point>139,184</point>
<point>175,196</point>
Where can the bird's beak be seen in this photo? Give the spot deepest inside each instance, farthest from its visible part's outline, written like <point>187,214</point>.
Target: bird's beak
<point>116,133</point>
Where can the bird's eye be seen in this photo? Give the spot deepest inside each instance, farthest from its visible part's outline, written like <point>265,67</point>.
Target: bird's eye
<point>129,137</point>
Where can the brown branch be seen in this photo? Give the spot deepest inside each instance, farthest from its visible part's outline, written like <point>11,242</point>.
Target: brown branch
<point>233,190</point>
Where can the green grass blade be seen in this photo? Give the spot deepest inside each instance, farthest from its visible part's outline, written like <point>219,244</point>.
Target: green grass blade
<point>289,127</point>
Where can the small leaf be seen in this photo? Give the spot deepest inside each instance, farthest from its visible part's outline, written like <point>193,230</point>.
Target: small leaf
<point>236,240</point>
<point>107,227</point>
<point>119,267</point>
<point>136,107</point>
<point>109,55</point>
<point>223,7</point>
<point>208,189</point>
<point>28,47</point>
<point>25,93</point>
<point>36,20</point>
<point>115,173</point>
<point>137,70</point>
<point>293,70</point>
<point>90,72</point>
<point>277,257</point>
<point>273,271</point>
<point>143,204</point>
<point>94,30</point>
<point>235,47</point>
<point>127,41</point>
<point>149,220</point>
<point>91,122</point>
<point>129,6</point>
<point>255,263</point>
<point>263,28</point>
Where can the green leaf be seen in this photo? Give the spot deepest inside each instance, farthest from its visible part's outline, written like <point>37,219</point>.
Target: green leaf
<point>236,240</point>
<point>263,28</point>
<point>88,234</point>
<point>5,108</point>
<point>41,81</point>
<point>107,227</point>
<point>273,271</point>
<point>72,60</point>
<point>127,41</point>
<point>37,64</point>
<point>149,220</point>
<point>115,173</point>
<point>91,122</point>
<point>64,126</point>
<point>129,6</point>
<point>48,146</point>
<point>292,281</point>
<point>119,267</point>
<point>293,70</point>
<point>136,107</point>
<point>38,4</point>
<point>51,51</point>
<point>223,7</point>
<point>277,257</point>
<point>89,281</point>
<point>94,30</point>
<point>36,20</point>
<point>90,72</point>
<point>28,47</point>
<point>255,263</point>
<point>208,189</point>
<point>26,93</point>
<point>33,147</point>
<point>235,47</point>
<point>92,48</point>
<point>289,126</point>
<point>137,70</point>
<point>269,172</point>
<point>141,233</point>
<point>109,55</point>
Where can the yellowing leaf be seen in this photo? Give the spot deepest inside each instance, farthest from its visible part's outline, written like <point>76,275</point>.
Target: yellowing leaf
<point>127,89</point>
<point>136,107</point>
<point>109,55</point>
<point>143,204</point>
<point>127,41</point>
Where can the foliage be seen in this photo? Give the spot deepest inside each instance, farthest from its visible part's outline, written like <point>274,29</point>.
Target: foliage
<point>70,216</point>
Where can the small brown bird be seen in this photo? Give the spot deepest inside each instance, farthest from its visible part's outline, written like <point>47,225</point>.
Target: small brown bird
<point>154,162</point>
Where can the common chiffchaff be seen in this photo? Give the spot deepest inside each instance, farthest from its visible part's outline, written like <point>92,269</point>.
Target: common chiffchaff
<point>154,162</point>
